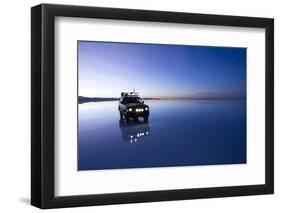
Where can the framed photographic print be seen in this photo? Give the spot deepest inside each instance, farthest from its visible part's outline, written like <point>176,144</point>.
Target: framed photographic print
<point>138,106</point>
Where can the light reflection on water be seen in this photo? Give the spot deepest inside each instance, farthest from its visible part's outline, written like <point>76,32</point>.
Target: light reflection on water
<point>178,133</point>
<point>134,131</point>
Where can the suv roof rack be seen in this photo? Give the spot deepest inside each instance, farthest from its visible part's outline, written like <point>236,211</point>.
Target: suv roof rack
<point>131,94</point>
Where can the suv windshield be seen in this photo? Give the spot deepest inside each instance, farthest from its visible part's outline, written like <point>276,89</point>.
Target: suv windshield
<point>131,100</point>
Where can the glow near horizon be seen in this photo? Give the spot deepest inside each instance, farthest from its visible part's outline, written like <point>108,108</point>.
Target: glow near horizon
<point>106,69</point>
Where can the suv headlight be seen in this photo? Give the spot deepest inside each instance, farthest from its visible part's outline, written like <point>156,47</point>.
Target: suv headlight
<point>146,108</point>
<point>130,109</point>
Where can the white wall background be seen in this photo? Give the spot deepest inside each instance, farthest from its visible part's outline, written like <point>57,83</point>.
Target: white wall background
<point>15,105</point>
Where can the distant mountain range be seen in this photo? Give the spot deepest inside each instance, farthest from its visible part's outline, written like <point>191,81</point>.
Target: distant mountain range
<point>82,99</point>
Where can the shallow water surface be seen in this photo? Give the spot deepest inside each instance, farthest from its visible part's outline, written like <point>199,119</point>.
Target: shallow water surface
<point>178,133</point>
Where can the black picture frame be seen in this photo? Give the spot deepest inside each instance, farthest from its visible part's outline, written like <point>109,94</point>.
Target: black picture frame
<point>43,102</point>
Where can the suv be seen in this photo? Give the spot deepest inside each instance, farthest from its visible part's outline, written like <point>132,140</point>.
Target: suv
<point>131,106</point>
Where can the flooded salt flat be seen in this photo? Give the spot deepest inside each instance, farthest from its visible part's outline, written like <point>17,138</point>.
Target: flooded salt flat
<point>178,133</point>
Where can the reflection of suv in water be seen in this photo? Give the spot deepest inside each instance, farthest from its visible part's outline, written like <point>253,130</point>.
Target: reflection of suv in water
<point>131,106</point>
<point>134,131</point>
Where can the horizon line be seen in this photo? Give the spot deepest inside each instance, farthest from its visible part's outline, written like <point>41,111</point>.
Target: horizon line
<point>175,97</point>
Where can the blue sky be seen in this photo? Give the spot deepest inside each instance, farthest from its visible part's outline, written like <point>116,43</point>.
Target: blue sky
<point>106,69</point>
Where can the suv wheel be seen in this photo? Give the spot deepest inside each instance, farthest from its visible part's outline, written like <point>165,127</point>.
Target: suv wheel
<point>145,118</point>
<point>127,118</point>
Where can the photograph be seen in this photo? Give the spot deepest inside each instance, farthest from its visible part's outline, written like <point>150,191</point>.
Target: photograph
<point>144,105</point>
